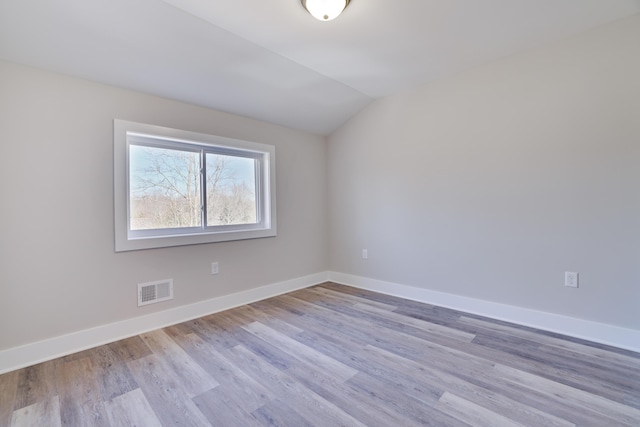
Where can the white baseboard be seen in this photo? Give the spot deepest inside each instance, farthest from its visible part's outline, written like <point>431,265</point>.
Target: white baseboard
<point>615,336</point>
<point>41,351</point>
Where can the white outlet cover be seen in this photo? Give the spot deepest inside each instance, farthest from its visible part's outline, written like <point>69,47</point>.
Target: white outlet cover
<point>571,279</point>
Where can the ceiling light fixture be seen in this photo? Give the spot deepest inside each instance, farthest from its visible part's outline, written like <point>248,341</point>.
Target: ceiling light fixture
<point>325,10</point>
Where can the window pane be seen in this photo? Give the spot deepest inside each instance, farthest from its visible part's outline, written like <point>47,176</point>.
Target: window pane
<point>231,190</point>
<point>164,188</point>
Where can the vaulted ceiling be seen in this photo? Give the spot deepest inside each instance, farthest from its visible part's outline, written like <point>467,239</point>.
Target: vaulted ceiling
<point>270,60</point>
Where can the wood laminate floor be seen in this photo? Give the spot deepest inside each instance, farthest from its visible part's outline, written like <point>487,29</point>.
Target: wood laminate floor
<point>332,355</point>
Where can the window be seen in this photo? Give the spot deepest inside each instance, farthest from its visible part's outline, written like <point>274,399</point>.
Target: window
<point>175,187</point>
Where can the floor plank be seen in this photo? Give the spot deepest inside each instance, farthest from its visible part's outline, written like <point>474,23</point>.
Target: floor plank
<point>8,390</point>
<point>80,400</point>
<point>222,409</point>
<point>163,390</point>
<point>279,413</point>
<point>496,402</point>
<point>36,384</point>
<point>473,414</point>
<point>240,387</point>
<point>43,413</point>
<point>299,351</point>
<point>131,409</point>
<point>114,376</point>
<point>314,408</point>
<point>193,379</point>
<point>583,400</point>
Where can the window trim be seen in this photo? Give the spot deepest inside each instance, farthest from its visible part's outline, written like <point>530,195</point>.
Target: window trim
<point>126,132</point>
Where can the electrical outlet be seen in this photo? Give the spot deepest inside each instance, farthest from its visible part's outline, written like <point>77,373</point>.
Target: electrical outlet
<point>365,254</point>
<point>571,279</point>
<point>214,268</point>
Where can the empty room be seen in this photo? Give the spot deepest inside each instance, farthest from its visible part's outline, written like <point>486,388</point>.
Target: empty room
<point>320,213</point>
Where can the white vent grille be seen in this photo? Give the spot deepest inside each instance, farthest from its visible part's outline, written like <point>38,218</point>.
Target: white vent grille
<point>152,292</point>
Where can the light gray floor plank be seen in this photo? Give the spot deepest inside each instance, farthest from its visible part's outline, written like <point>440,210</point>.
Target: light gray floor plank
<point>416,323</point>
<point>8,390</point>
<point>131,409</point>
<point>499,403</point>
<point>582,348</point>
<point>193,379</point>
<point>81,402</point>
<point>43,413</point>
<point>278,414</point>
<point>240,387</point>
<point>221,408</point>
<point>113,376</point>
<point>352,398</point>
<point>473,414</point>
<point>248,314</point>
<point>36,383</point>
<point>569,395</point>
<point>299,351</point>
<point>312,407</point>
<point>164,391</point>
<point>353,299</point>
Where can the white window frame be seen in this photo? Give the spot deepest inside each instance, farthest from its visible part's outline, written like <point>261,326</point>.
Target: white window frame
<point>126,133</point>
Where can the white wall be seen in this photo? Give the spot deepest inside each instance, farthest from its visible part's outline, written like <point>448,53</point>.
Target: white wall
<point>58,269</point>
<point>493,183</point>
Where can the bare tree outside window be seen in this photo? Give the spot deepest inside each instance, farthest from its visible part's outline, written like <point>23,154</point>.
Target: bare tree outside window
<point>165,189</point>
<point>230,200</point>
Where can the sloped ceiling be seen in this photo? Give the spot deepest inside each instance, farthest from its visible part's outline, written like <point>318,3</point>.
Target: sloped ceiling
<point>270,60</point>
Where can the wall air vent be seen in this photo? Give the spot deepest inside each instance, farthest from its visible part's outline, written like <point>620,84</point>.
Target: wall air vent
<point>152,292</point>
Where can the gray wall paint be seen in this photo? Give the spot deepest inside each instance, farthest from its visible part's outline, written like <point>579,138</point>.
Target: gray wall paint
<point>494,182</point>
<point>58,269</point>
